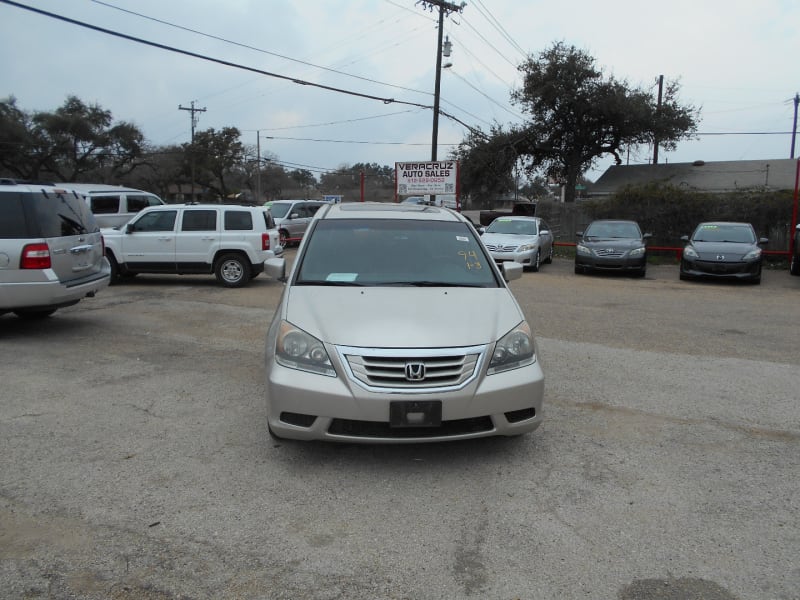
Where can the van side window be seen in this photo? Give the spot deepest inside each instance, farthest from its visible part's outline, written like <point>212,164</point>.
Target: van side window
<point>199,220</point>
<point>238,220</point>
<point>137,203</point>
<point>105,205</point>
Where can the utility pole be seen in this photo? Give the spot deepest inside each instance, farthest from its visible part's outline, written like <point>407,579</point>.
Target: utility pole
<point>258,167</point>
<point>794,124</point>
<point>444,8</point>
<point>194,119</point>
<point>658,112</point>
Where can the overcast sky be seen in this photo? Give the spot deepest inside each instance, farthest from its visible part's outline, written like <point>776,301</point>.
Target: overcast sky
<point>736,59</point>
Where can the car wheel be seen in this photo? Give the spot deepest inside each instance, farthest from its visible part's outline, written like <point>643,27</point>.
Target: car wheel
<point>549,258</point>
<point>283,238</point>
<point>536,262</point>
<point>683,276</point>
<point>578,270</point>
<point>29,313</point>
<point>115,274</point>
<point>794,267</point>
<point>232,270</point>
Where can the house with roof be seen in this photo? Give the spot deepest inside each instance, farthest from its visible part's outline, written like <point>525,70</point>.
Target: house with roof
<point>714,177</point>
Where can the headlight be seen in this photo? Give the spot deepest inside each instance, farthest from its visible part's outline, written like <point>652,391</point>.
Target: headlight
<point>689,252</point>
<point>752,255</point>
<point>636,252</point>
<point>526,247</point>
<point>515,349</point>
<point>583,250</point>
<point>297,349</point>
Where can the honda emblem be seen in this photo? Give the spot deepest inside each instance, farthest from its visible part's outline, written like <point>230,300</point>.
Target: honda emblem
<point>415,371</point>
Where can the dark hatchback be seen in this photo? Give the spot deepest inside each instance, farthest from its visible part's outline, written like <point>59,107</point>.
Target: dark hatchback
<point>608,245</point>
<point>722,250</point>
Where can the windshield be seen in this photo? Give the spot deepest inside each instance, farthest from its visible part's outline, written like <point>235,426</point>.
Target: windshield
<point>613,230</point>
<point>512,226</point>
<point>393,252</point>
<point>724,233</point>
<point>279,209</point>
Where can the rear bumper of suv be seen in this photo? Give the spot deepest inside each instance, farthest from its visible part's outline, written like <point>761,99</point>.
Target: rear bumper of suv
<point>52,293</point>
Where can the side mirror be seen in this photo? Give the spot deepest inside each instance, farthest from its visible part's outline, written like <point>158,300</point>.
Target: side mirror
<point>763,241</point>
<point>578,234</point>
<point>130,228</point>
<point>684,238</point>
<point>544,232</point>
<point>511,270</point>
<point>294,215</point>
<point>481,230</point>
<point>647,236</point>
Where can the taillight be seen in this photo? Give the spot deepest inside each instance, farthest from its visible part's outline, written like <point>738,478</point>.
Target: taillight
<point>35,256</point>
<point>265,241</point>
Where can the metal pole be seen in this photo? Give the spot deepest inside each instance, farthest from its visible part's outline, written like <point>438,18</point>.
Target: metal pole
<point>794,210</point>
<point>658,111</point>
<point>794,124</point>
<point>435,135</point>
<point>258,167</point>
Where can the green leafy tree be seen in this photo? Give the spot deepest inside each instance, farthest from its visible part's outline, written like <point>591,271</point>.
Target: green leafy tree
<point>576,114</point>
<point>218,157</point>
<point>72,142</point>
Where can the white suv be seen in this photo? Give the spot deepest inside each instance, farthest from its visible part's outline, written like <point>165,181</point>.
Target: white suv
<point>233,242</point>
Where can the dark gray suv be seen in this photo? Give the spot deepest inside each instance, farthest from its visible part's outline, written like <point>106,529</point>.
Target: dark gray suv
<point>51,250</point>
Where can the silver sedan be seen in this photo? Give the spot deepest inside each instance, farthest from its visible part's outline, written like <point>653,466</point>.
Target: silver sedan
<point>525,240</point>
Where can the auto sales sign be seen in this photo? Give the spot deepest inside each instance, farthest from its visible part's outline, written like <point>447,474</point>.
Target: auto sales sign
<point>433,177</point>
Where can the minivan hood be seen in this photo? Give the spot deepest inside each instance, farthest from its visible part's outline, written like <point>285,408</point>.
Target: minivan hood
<point>402,317</point>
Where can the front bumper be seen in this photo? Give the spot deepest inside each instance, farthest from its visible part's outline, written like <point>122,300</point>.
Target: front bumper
<point>526,258</point>
<point>308,406</point>
<point>698,268</point>
<point>620,263</point>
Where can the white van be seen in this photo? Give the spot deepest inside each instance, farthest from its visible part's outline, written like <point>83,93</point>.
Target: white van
<point>113,205</point>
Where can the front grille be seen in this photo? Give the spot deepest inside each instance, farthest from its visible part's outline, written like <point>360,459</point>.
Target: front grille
<point>500,248</point>
<point>432,369</point>
<point>609,253</point>
<point>373,429</point>
<point>723,268</point>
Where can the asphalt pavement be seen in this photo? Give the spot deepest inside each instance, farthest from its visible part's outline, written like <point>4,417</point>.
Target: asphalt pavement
<point>135,461</point>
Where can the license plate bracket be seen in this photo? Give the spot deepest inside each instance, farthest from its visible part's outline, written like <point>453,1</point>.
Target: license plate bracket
<point>415,413</point>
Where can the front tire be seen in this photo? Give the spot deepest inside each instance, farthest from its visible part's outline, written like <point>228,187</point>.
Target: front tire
<point>536,261</point>
<point>794,266</point>
<point>232,270</point>
<point>115,274</point>
<point>283,238</point>
<point>549,258</point>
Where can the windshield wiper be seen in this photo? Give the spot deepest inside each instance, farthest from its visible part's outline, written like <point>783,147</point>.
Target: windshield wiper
<point>428,284</point>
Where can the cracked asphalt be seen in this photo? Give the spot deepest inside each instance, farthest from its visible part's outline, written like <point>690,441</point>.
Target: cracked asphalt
<point>135,462</point>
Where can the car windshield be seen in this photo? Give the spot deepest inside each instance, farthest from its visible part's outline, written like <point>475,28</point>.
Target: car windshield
<point>512,226</point>
<point>724,233</point>
<point>613,231</point>
<point>393,252</point>
<point>279,209</point>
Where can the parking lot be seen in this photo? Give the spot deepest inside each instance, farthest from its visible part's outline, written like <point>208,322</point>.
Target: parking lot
<point>135,461</point>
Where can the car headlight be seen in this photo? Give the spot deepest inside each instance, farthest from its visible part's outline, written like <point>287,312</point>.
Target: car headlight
<point>297,349</point>
<point>752,255</point>
<point>636,252</point>
<point>689,252</point>
<point>583,250</point>
<point>515,349</point>
<point>526,247</point>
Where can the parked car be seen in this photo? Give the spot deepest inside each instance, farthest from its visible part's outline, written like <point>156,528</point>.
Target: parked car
<point>292,217</point>
<point>794,265</point>
<point>722,250</point>
<point>51,250</point>
<point>525,240</point>
<point>232,242</point>
<point>113,205</point>
<point>610,245</point>
<point>370,341</point>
